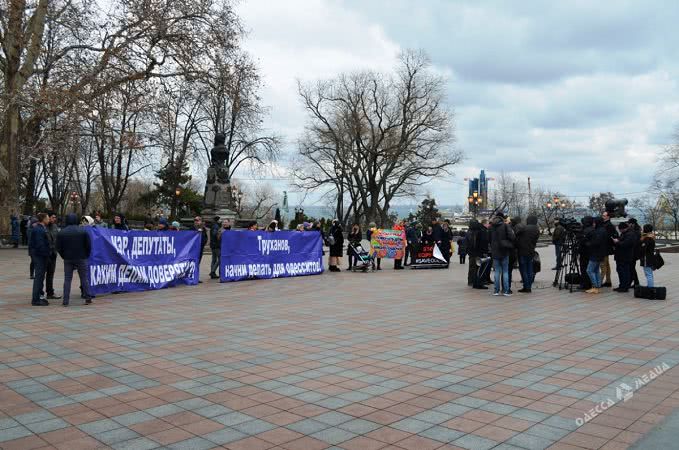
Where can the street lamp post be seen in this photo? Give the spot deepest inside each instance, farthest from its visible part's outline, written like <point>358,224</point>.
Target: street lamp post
<point>177,203</point>
<point>474,202</point>
<point>74,200</point>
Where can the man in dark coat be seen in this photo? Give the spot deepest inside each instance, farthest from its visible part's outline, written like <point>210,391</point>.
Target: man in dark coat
<point>526,240</point>
<point>636,230</point>
<point>558,237</point>
<point>624,255</point>
<point>215,247</point>
<point>75,247</point>
<point>40,253</point>
<point>23,226</point>
<point>412,239</point>
<point>584,252</point>
<point>199,227</point>
<point>52,232</point>
<point>16,234</point>
<point>501,245</point>
<point>477,248</point>
<point>514,222</point>
<point>612,234</point>
<point>596,241</point>
<point>336,246</point>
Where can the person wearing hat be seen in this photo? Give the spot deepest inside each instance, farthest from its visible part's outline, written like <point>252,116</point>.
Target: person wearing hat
<point>87,221</point>
<point>624,256</point>
<point>175,226</point>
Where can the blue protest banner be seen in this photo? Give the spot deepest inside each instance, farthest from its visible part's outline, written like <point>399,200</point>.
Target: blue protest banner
<point>261,254</point>
<point>123,261</point>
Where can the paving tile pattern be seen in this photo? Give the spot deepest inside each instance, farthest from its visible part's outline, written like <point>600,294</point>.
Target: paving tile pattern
<point>390,360</point>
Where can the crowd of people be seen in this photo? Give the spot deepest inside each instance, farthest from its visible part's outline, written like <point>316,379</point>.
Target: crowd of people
<point>499,243</point>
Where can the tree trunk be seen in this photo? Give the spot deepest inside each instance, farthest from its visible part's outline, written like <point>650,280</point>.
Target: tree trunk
<point>9,170</point>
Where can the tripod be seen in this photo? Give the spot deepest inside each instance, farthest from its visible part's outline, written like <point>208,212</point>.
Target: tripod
<point>568,275</point>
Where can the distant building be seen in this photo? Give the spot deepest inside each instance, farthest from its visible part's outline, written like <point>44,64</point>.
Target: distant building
<point>480,186</point>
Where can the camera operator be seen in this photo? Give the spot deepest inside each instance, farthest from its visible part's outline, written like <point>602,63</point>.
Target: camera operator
<point>558,236</point>
<point>612,234</point>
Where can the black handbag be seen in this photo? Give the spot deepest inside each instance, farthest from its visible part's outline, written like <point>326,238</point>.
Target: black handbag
<point>537,265</point>
<point>658,261</point>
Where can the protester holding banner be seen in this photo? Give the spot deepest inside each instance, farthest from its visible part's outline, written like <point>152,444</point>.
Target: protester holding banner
<point>445,245</point>
<point>119,222</point>
<point>398,258</point>
<point>428,236</point>
<point>336,244</point>
<point>75,247</point>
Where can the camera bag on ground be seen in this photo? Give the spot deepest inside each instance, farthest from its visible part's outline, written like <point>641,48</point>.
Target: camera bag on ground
<point>650,293</point>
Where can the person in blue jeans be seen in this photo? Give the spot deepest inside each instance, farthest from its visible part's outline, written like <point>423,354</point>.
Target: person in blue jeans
<point>624,256</point>
<point>75,247</point>
<point>648,253</point>
<point>526,240</point>
<point>501,245</point>
<point>596,242</point>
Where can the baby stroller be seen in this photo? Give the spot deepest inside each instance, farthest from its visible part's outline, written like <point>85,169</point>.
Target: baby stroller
<point>363,259</point>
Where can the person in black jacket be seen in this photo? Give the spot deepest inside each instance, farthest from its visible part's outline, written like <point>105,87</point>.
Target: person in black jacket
<point>636,230</point>
<point>40,252</point>
<point>119,222</point>
<point>611,233</point>
<point>52,232</point>
<point>648,253</point>
<point>558,237</point>
<point>477,248</point>
<point>75,247</point>
<point>215,247</point>
<point>583,252</point>
<point>446,241</point>
<point>462,247</point>
<point>624,256</point>
<point>355,238</point>
<point>526,240</point>
<point>596,241</point>
<point>501,245</point>
<point>336,246</point>
<point>412,242</point>
<point>514,222</point>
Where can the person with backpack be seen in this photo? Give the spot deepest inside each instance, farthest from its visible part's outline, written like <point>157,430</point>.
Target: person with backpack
<point>647,254</point>
<point>501,245</point>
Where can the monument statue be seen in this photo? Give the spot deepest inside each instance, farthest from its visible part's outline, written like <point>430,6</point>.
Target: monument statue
<point>218,199</point>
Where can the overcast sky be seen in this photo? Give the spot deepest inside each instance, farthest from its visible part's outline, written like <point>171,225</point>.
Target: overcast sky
<point>578,95</point>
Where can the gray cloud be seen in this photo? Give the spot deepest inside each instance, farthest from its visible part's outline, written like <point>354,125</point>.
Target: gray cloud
<point>578,95</point>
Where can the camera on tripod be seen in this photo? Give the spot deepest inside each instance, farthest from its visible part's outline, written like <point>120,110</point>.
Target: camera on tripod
<point>571,224</point>
<point>616,207</point>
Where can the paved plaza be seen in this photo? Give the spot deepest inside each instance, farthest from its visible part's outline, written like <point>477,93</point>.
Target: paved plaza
<point>389,360</point>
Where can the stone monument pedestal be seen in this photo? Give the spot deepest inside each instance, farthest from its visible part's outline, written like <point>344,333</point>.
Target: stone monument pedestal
<point>218,198</point>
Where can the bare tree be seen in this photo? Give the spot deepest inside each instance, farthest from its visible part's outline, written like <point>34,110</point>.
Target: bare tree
<point>122,41</point>
<point>232,106</point>
<point>376,137</point>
